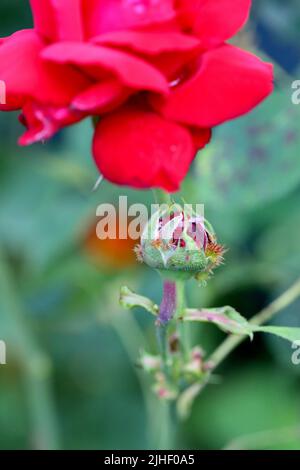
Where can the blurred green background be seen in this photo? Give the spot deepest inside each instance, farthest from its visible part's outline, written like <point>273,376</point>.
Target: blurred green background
<point>70,380</point>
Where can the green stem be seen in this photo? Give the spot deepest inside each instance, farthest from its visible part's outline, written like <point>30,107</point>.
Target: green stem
<point>262,317</point>
<point>229,345</point>
<point>168,426</point>
<point>35,365</point>
<point>169,420</point>
<point>183,327</point>
<point>132,338</point>
<point>161,197</point>
<point>162,341</point>
<point>168,415</point>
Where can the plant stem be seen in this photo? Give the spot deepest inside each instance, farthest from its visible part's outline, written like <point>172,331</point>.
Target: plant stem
<point>35,365</point>
<point>166,312</point>
<point>182,326</point>
<point>132,337</point>
<point>172,302</point>
<point>170,309</point>
<point>180,304</point>
<point>168,426</point>
<point>262,317</point>
<point>169,302</point>
<point>161,197</point>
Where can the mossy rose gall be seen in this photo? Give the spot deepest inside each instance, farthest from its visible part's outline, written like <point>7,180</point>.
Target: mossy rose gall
<point>180,243</point>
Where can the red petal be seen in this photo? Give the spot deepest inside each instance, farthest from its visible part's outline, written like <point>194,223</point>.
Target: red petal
<point>228,83</point>
<point>166,51</point>
<point>58,19</point>
<point>102,16</point>
<point>214,21</point>
<point>26,75</point>
<point>102,97</point>
<point>140,149</point>
<point>68,14</point>
<point>43,18</point>
<point>43,122</point>
<point>18,57</point>
<point>151,43</point>
<point>97,60</point>
<point>201,137</point>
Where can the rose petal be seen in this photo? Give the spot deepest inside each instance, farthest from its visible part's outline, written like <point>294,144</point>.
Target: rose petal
<point>140,149</point>
<point>201,137</point>
<point>26,75</point>
<point>43,122</point>
<point>68,14</point>
<point>151,43</point>
<point>214,21</point>
<point>44,18</point>
<point>102,97</point>
<point>97,60</point>
<point>228,83</point>
<point>102,16</point>
<point>18,58</point>
<point>167,51</point>
<point>58,19</point>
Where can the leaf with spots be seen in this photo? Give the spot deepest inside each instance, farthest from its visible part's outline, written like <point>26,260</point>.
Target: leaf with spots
<point>255,159</point>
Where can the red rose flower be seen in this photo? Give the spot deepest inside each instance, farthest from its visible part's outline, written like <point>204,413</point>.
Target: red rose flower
<point>158,73</point>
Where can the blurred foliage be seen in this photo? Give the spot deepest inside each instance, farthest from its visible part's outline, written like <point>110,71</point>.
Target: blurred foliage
<point>59,310</point>
<point>284,17</point>
<point>246,167</point>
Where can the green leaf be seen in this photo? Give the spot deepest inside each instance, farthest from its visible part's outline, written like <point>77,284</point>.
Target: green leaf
<point>230,321</point>
<point>226,318</point>
<point>285,332</point>
<point>254,160</point>
<point>129,299</point>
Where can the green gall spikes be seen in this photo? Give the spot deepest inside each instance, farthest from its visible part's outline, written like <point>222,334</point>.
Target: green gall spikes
<point>180,243</point>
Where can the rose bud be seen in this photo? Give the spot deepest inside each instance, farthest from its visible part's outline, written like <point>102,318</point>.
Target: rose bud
<point>180,243</point>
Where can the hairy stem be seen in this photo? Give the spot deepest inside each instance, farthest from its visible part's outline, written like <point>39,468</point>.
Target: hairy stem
<point>168,303</point>
<point>166,312</point>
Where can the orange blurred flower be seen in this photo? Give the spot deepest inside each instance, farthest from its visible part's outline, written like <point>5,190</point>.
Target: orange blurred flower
<point>110,253</point>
